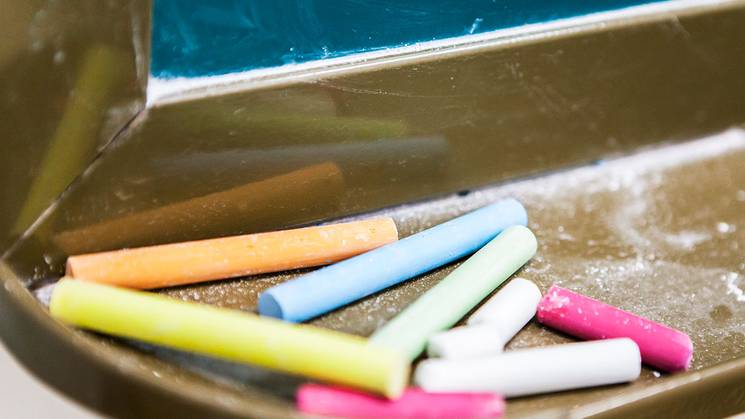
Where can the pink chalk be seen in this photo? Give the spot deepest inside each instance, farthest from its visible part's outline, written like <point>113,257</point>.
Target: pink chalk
<point>414,403</point>
<point>661,346</point>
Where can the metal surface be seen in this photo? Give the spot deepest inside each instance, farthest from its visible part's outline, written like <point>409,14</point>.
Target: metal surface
<point>71,76</point>
<point>401,131</point>
<point>659,233</point>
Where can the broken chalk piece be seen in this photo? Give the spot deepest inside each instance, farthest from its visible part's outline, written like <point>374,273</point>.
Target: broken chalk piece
<point>497,321</point>
<point>230,334</point>
<point>413,403</point>
<point>661,346</point>
<point>329,288</point>
<point>204,260</point>
<point>456,294</point>
<point>537,370</point>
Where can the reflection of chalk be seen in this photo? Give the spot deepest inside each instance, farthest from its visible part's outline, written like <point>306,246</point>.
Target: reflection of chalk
<point>367,165</point>
<point>227,257</point>
<point>538,370</point>
<point>493,325</point>
<point>270,122</point>
<point>75,138</point>
<point>408,155</point>
<point>413,403</point>
<point>453,297</point>
<point>230,334</point>
<point>316,188</point>
<point>661,346</point>
<point>347,281</point>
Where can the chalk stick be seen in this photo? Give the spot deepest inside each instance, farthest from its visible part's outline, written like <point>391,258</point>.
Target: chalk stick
<point>230,334</point>
<point>465,342</point>
<point>510,308</point>
<point>534,371</point>
<point>453,297</point>
<point>332,287</point>
<point>661,346</point>
<point>413,403</point>
<point>493,325</point>
<point>227,257</point>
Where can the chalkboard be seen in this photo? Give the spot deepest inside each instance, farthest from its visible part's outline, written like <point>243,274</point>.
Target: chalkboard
<point>199,38</point>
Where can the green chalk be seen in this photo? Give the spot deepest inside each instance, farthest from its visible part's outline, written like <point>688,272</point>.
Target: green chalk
<point>447,302</point>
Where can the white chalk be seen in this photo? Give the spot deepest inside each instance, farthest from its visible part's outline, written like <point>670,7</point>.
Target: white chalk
<point>511,308</point>
<point>466,342</point>
<point>491,326</point>
<point>534,371</point>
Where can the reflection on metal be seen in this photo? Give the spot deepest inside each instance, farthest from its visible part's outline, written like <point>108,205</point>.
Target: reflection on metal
<point>70,79</point>
<point>375,153</point>
<point>283,185</point>
<point>503,110</point>
<point>74,139</point>
<point>311,190</point>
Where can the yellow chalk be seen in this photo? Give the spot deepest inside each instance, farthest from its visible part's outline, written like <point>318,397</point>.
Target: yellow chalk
<point>230,334</point>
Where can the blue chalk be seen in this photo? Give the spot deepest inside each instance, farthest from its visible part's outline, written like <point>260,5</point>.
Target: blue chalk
<point>342,283</point>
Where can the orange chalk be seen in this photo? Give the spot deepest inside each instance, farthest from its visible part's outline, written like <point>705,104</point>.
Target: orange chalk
<point>205,260</point>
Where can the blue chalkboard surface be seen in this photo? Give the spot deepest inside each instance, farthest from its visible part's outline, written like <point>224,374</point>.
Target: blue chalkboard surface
<point>202,38</point>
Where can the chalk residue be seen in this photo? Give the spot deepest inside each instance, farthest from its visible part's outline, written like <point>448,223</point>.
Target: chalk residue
<point>733,280</point>
<point>633,173</point>
<point>686,239</point>
<point>605,230</point>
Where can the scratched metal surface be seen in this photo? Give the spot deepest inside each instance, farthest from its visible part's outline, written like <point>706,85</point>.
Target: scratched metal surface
<point>660,233</point>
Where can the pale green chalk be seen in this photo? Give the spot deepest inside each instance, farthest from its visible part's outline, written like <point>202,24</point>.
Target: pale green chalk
<point>447,302</point>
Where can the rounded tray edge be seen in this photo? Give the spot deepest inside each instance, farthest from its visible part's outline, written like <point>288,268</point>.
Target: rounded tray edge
<point>52,353</point>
